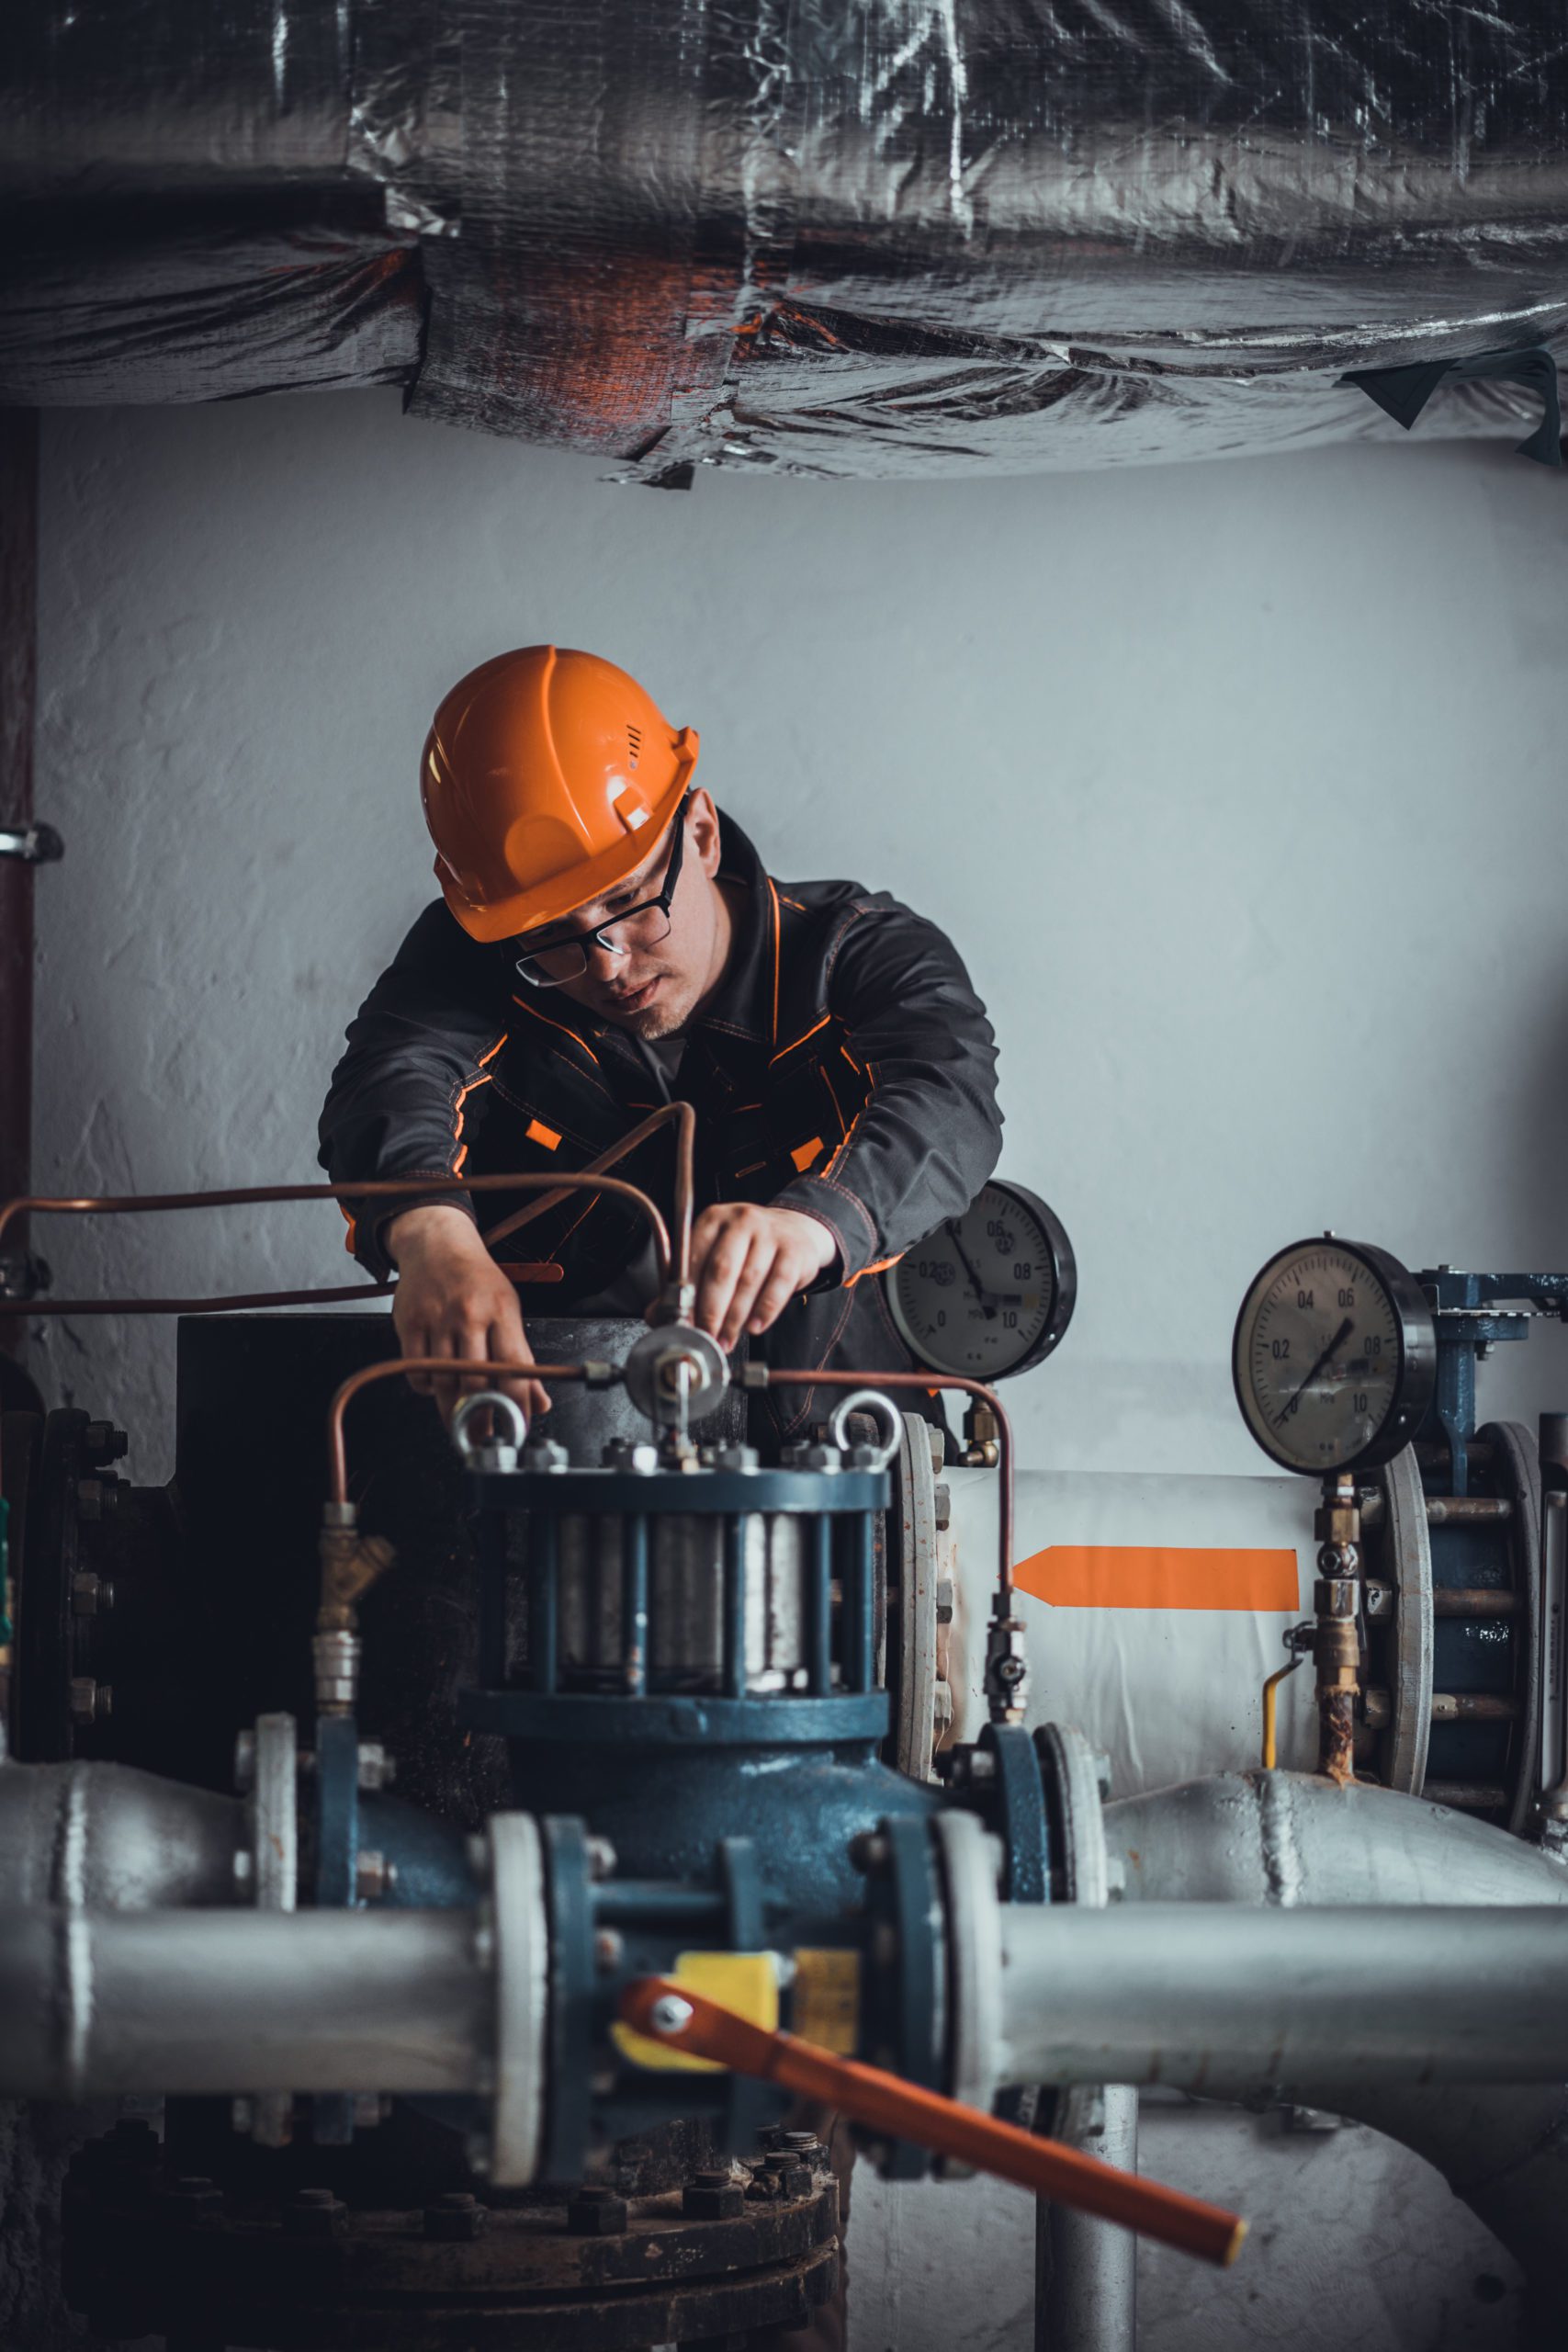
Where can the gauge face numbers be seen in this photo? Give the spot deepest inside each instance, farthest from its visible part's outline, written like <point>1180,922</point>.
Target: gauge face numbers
<point>988,1293</point>
<point>1333,1356</point>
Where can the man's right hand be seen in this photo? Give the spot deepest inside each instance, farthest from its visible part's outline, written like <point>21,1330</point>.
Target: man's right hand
<point>452,1299</point>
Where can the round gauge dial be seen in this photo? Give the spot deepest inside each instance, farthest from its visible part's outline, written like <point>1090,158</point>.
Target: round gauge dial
<point>988,1293</point>
<point>1335,1357</point>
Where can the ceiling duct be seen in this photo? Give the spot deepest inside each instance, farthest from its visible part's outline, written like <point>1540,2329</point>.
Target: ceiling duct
<point>835,237</point>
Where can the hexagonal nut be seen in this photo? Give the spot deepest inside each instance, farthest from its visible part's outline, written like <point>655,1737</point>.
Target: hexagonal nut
<point>1102,1774</point>
<point>812,1457</point>
<point>376,1769</point>
<point>633,1454</point>
<point>1115,1878</point>
<point>736,1457</point>
<point>943,1509</point>
<point>89,1701</point>
<point>91,1596</point>
<point>544,1456</point>
<point>712,2197</point>
<point>315,2213</point>
<point>102,1442</point>
<point>89,1498</point>
<point>596,2213</point>
<point>456,2218</point>
<point>373,1875</point>
<point>192,2200</point>
<point>941,1705</point>
<point>793,2179</point>
<point>945,1601</point>
<point>938,1441</point>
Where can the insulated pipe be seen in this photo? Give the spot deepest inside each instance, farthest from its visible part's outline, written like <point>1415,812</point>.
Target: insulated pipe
<point>1283,1837</point>
<point>105,1836</point>
<point>1234,2002</point>
<point>97,2004</point>
<point>1290,1837</point>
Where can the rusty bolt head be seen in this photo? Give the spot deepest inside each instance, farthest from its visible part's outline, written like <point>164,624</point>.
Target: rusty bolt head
<point>596,2213</point>
<point>455,2218</point>
<point>803,2145</point>
<point>713,2195</point>
<point>793,2178</point>
<point>316,2213</point>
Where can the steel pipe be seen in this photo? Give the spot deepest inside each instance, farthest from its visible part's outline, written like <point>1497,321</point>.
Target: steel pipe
<point>1087,2271</point>
<point>103,1836</point>
<point>1237,2001</point>
<point>97,2004</point>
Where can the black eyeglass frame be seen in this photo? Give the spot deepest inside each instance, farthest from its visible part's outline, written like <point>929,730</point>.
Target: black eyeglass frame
<point>583,940</point>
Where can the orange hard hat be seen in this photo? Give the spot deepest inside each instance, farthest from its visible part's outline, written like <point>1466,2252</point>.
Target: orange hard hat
<point>546,779</point>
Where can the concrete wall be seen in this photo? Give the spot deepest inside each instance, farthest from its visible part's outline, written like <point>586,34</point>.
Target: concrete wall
<point>1239,786</point>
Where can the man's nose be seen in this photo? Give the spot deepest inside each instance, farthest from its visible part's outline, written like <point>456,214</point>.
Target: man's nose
<point>604,963</point>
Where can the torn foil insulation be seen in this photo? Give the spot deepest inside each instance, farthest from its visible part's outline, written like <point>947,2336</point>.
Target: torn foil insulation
<point>835,237</point>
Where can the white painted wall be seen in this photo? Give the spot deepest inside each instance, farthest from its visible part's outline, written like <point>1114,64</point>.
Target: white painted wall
<point>1239,786</point>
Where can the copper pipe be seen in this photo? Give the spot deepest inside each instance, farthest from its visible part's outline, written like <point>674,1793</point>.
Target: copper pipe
<point>685,1119</point>
<point>380,1188</point>
<point>930,1380</point>
<point>337,1457</point>
<point>232,1303</point>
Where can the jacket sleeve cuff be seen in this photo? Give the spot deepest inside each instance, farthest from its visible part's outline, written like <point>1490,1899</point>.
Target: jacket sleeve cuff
<point>371,1219</point>
<point>846,1217</point>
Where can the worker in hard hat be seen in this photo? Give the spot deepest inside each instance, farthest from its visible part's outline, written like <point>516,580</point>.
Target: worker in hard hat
<point>607,941</point>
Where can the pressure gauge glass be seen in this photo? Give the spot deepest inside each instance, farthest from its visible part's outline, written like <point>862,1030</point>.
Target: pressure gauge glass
<point>1334,1356</point>
<point>988,1293</point>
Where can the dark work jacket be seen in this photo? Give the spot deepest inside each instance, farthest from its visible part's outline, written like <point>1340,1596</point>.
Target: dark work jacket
<point>844,1067</point>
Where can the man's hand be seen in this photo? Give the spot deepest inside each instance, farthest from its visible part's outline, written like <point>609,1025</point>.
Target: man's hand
<point>748,1262</point>
<point>452,1299</point>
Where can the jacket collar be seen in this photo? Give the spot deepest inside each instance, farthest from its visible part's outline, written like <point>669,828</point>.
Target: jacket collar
<point>745,1005</point>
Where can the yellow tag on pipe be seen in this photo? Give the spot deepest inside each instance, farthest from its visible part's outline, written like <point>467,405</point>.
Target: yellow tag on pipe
<point>745,1982</point>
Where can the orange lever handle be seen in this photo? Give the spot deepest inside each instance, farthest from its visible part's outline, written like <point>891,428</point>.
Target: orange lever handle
<point>905,2111</point>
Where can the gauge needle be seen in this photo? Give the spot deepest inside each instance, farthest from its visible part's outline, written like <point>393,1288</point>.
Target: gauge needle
<point>1338,1341</point>
<point>963,1257</point>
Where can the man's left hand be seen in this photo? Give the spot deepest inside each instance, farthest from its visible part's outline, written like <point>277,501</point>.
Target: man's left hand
<point>748,1264</point>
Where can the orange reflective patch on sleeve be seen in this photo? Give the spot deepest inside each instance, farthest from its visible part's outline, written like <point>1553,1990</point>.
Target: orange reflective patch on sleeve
<point>805,1154</point>
<point>1136,1575</point>
<point>536,1132</point>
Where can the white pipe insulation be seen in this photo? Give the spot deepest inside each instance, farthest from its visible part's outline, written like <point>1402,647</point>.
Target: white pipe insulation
<point>1154,1609</point>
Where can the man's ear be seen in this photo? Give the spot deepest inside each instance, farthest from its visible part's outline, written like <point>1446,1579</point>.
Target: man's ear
<point>702,840</point>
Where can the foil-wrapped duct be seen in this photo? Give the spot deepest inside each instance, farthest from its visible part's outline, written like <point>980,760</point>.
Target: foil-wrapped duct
<point>856,237</point>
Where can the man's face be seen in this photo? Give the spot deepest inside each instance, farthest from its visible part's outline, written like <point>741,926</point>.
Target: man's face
<point>653,988</point>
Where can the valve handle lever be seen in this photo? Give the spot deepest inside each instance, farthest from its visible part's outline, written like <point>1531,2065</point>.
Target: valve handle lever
<point>673,2012</point>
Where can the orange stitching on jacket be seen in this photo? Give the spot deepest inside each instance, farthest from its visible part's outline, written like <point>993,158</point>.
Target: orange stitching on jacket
<point>778,927</point>
<point>801,1039</point>
<point>464,1092</point>
<point>522,1003</point>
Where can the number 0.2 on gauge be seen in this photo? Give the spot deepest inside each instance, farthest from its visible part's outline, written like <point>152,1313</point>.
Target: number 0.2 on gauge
<point>1334,1356</point>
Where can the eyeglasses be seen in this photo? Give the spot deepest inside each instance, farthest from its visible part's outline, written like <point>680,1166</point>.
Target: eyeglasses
<point>644,925</point>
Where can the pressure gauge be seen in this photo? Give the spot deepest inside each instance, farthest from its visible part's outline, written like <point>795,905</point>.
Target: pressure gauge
<point>1334,1356</point>
<point>988,1293</point>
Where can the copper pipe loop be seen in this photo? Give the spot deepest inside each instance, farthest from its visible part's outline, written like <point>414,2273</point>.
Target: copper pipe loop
<point>557,1188</point>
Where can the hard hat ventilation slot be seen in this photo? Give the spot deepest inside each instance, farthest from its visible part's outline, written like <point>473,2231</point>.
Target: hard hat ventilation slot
<point>634,742</point>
